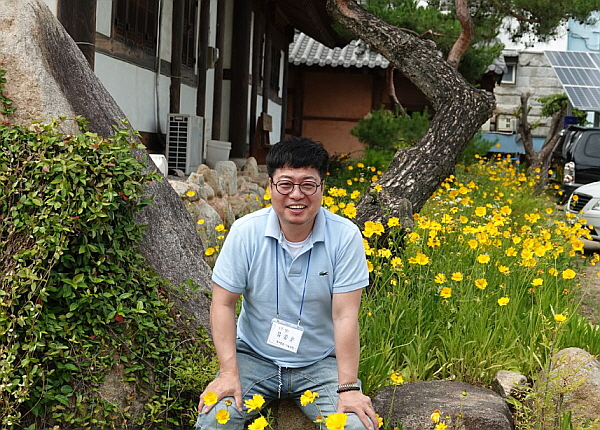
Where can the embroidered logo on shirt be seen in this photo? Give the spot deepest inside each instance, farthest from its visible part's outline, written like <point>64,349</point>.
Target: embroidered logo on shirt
<point>323,273</point>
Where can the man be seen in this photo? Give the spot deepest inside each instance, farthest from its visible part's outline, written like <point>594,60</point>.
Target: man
<point>301,270</point>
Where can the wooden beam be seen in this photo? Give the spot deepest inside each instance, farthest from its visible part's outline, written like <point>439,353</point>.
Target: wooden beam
<point>78,17</point>
<point>218,82</point>
<point>202,57</point>
<point>176,54</point>
<point>240,78</point>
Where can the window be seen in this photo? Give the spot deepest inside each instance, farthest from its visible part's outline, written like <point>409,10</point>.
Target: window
<point>135,23</point>
<point>510,76</point>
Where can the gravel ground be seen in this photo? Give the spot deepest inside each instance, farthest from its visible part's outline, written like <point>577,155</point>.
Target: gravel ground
<point>590,305</point>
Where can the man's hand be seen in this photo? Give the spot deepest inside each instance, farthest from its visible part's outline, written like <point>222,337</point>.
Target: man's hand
<point>224,385</point>
<point>358,403</point>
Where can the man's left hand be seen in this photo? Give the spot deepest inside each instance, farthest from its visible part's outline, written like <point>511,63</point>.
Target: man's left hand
<point>359,404</point>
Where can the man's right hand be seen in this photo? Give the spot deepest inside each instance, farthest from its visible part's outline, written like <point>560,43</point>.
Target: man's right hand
<point>224,385</point>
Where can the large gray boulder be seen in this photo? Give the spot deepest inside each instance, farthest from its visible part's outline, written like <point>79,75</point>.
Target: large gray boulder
<point>48,77</point>
<point>575,380</point>
<point>468,406</point>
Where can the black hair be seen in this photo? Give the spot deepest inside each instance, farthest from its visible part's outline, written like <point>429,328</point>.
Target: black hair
<point>298,152</point>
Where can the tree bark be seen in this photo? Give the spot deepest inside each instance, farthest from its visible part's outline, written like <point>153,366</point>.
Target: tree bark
<point>524,129</point>
<point>416,172</point>
<point>466,35</point>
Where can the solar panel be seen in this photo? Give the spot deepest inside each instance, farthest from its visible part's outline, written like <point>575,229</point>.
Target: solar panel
<point>579,74</point>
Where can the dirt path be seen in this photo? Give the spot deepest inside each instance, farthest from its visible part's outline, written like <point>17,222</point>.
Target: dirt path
<point>590,305</point>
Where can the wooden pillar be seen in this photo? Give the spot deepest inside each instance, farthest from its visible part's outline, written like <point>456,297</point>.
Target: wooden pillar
<point>257,59</point>
<point>202,57</point>
<point>240,78</point>
<point>176,56</point>
<point>218,87</point>
<point>78,17</point>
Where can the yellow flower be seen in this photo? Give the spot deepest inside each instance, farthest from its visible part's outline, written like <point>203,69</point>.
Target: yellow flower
<point>420,259</point>
<point>222,416</point>
<point>435,416</point>
<point>355,194</point>
<point>503,269</point>
<point>350,211</point>
<point>190,193</point>
<point>209,251</point>
<point>255,403</point>
<point>481,283</point>
<point>393,222</point>
<point>446,292</point>
<point>480,211</point>
<point>200,222</point>
<point>511,252</point>
<point>369,266</point>
<point>503,301</point>
<point>553,271</point>
<point>483,258</point>
<point>384,252</point>
<point>473,243</point>
<point>308,397</point>
<point>360,165</point>
<point>350,167</point>
<point>537,282</point>
<point>220,227</point>
<point>397,378</point>
<point>440,278</point>
<point>560,318</point>
<point>440,426</point>
<point>568,274</point>
<point>336,421</point>
<point>378,188</point>
<point>258,424</point>
<point>379,421</point>
<point>396,262</point>
<point>210,398</point>
<point>457,276</point>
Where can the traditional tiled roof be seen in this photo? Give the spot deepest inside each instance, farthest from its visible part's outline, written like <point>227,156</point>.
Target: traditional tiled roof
<point>305,50</point>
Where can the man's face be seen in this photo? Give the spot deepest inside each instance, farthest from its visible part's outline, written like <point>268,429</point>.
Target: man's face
<point>296,210</point>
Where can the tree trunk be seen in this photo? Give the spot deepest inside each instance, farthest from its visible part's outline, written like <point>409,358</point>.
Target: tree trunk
<point>466,35</point>
<point>416,172</point>
<point>524,129</point>
<point>48,77</point>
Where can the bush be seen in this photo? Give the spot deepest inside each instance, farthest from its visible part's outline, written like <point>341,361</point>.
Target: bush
<point>78,298</point>
<point>384,129</point>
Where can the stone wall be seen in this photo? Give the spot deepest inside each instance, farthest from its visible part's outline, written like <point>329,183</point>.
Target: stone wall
<point>221,195</point>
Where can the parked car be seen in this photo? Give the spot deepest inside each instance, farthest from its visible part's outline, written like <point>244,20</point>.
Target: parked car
<point>584,203</point>
<point>576,160</point>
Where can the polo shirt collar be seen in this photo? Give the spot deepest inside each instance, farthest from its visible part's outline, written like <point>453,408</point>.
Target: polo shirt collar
<point>273,229</point>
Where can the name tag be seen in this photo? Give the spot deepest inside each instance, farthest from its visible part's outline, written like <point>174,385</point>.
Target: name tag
<point>285,335</point>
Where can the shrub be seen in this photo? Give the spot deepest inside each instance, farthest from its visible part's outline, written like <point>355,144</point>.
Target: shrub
<point>77,296</point>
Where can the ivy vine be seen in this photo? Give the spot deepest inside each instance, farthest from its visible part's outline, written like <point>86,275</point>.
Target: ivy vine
<point>77,299</point>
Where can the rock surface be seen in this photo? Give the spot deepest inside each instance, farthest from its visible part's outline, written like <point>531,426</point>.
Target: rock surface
<point>575,376</point>
<point>466,406</point>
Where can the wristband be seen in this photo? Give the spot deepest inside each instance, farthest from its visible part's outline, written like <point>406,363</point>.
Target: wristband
<point>342,388</point>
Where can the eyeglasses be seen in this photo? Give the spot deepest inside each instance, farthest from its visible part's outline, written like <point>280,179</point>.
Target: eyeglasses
<point>308,188</point>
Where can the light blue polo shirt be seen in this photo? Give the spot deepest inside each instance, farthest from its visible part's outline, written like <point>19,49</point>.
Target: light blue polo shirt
<point>332,261</point>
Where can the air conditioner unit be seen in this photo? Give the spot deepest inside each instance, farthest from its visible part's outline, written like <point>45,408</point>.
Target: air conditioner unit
<point>506,123</point>
<point>185,140</point>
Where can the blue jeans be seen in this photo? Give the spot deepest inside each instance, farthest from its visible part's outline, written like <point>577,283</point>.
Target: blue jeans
<point>261,376</point>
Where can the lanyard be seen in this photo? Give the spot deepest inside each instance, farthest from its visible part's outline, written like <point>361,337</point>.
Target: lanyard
<point>277,282</point>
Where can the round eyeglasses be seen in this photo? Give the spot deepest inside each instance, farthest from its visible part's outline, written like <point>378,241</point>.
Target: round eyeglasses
<point>308,188</point>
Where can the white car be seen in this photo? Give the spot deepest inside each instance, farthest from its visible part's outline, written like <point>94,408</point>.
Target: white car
<point>584,203</point>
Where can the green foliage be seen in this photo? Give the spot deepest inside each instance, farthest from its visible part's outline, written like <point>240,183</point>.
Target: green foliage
<point>78,299</point>
<point>443,28</point>
<point>559,102</point>
<point>384,129</point>
<point>5,102</point>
